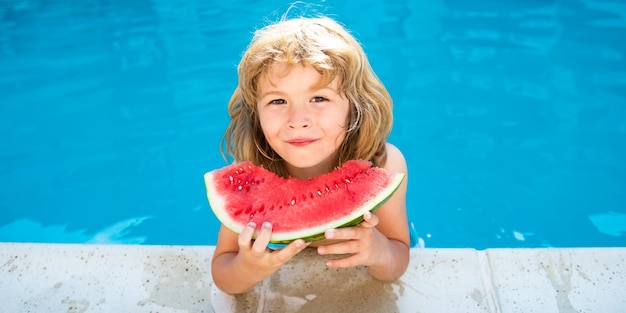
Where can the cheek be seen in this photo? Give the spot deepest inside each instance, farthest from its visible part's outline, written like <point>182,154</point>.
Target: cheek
<point>264,120</point>
<point>264,127</point>
<point>269,126</point>
<point>340,125</point>
<point>346,120</point>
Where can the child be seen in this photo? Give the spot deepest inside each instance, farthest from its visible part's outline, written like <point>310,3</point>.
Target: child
<point>307,100</point>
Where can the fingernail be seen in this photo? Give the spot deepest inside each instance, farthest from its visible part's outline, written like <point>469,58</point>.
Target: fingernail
<point>367,215</point>
<point>299,243</point>
<point>267,225</point>
<point>252,224</point>
<point>329,234</point>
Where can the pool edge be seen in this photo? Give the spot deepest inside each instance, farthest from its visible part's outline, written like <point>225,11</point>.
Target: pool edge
<point>141,278</point>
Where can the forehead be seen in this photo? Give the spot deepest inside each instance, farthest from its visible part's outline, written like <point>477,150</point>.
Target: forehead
<point>274,73</point>
<point>277,70</point>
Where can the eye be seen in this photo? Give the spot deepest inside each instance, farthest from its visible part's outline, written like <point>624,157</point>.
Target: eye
<point>319,99</point>
<point>278,101</point>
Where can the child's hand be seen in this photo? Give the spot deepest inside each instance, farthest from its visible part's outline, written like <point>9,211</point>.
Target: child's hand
<point>257,258</point>
<point>364,244</point>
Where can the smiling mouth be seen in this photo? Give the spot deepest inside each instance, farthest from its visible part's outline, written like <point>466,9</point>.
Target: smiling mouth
<point>301,142</point>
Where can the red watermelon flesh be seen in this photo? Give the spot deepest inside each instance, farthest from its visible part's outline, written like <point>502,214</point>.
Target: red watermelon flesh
<point>241,193</point>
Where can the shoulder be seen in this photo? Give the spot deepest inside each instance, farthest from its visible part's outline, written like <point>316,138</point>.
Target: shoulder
<point>395,159</point>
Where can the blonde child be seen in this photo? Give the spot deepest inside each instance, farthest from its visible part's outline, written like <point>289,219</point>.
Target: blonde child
<point>307,100</point>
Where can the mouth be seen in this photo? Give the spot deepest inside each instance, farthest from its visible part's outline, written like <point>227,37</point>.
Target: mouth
<point>301,142</point>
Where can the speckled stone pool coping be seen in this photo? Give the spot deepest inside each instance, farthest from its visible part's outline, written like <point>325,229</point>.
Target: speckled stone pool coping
<point>139,278</point>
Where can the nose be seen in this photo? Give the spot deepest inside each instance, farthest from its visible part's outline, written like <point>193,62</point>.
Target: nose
<point>299,117</point>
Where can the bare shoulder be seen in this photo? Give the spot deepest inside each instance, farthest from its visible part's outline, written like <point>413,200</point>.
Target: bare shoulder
<point>395,159</point>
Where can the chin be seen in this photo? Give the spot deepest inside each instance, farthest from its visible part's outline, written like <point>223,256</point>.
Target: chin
<point>317,165</point>
<point>303,165</point>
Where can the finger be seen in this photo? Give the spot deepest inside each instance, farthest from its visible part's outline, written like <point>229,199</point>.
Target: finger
<point>262,239</point>
<point>369,220</point>
<point>245,237</point>
<point>291,250</point>
<point>345,247</point>
<point>345,233</point>
<point>350,261</point>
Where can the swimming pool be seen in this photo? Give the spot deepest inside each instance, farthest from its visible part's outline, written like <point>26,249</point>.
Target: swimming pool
<point>512,116</point>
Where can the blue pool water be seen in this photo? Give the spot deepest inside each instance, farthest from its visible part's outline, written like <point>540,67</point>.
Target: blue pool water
<point>512,116</point>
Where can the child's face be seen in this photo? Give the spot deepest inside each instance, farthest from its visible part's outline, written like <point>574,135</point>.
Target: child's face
<point>303,123</point>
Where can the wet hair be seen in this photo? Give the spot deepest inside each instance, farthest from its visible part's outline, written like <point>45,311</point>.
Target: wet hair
<point>328,47</point>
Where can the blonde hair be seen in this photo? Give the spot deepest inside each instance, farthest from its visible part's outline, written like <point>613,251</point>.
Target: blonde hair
<point>325,45</point>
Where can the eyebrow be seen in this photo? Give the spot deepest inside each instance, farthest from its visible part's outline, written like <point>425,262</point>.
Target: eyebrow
<point>271,92</point>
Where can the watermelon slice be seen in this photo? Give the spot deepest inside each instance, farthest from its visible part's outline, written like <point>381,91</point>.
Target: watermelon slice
<point>241,193</point>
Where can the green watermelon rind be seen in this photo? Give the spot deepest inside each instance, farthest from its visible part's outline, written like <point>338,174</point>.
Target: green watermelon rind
<point>311,234</point>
